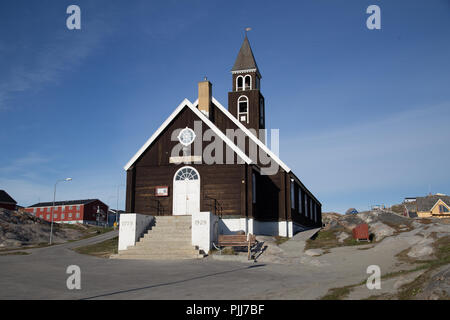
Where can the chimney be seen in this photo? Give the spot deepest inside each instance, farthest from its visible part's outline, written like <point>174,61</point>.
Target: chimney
<point>204,96</point>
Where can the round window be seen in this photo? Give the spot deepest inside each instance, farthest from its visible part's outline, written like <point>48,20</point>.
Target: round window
<point>186,136</point>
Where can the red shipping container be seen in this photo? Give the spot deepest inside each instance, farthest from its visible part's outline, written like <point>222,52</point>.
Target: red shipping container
<point>361,232</point>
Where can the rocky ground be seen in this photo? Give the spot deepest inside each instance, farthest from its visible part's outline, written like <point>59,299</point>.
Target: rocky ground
<point>413,255</point>
<point>21,229</point>
<point>381,223</point>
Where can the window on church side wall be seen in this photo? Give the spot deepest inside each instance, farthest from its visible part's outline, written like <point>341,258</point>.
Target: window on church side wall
<point>253,187</point>
<point>261,112</point>
<point>248,82</point>
<point>306,205</point>
<point>292,195</point>
<point>243,109</point>
<point>300,207</point>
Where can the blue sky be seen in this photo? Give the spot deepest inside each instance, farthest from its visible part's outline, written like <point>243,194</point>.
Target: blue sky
<point>363,114</point>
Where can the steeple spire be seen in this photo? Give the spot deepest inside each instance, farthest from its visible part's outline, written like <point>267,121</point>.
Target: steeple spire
<point>245,101</point>
<point>245,59</point>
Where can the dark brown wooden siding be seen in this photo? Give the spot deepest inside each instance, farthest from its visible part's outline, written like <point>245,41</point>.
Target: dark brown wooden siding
<point>221,184</point>
<point>226,189</point>
<point>220,189</point>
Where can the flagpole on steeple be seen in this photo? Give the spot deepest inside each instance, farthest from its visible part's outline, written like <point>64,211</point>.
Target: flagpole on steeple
<point>246,30</point>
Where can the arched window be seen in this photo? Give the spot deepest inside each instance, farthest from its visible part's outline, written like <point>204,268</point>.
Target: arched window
<point>239,83</point>
<point>242,109</point>
<point>186,173</point>
<point>248,82</point>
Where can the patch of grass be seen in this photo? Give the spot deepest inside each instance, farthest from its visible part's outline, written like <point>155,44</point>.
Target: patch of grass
<point>337,293</point>
<point>102,249</point>
<point>31,246</point>
<point>409,290</point>
<point>366,248</point>
<point>322,239</point>
<point>15,253</point>
<point>398,208</point>
<point>405,228</point>
<point>403,256</point>
<point>230,251</point>
<point>425,221</point>
<point>95,231</point>
<point>327,239</point>
<point>279,240</point>
<point>353,242</point>
<point>88,231</point>
<point>340,293</point>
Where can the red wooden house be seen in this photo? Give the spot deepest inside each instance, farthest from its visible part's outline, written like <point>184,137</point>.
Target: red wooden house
<point>72,211</point>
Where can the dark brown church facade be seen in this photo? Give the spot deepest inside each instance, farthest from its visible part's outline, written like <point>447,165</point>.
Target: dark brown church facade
<point>206,157</point>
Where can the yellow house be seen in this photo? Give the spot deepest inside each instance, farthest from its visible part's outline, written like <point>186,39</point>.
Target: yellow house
<point>440,209</point>
<point>430,206</point>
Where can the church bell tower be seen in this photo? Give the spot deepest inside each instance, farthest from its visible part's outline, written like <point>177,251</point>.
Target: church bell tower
<point>245,101</point>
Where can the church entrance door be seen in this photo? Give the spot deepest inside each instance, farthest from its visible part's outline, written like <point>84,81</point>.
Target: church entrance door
<point>186,192</point>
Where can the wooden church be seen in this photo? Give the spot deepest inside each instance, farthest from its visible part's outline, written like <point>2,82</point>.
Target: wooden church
<point>178,172</point>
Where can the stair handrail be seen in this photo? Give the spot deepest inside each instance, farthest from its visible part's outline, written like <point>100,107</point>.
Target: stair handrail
<point>159,208</point>
<point>217,205</point>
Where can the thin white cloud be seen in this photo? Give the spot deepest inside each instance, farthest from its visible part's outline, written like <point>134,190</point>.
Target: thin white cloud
<point>24,163</point>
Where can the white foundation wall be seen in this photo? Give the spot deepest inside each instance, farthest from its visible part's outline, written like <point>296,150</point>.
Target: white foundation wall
<point>271,228</point>
<point>131,227</point>
<point>204,230</point>
<point>231,225</point>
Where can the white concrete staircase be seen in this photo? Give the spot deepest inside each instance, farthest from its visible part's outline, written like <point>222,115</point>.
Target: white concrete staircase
<point>169,238</point>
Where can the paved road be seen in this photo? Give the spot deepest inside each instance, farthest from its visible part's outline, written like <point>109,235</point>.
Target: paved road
<point>42,274</point>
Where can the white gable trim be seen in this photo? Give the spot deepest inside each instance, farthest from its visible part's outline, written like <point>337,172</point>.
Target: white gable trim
<point>221,135</point>
<point>202,117</point>
<point>157,133</point>
<point>432,208</point>
<point>243,71</point>
<point>249,133</point>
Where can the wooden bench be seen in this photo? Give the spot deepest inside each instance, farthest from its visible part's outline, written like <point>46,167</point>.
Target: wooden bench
<point>237,240</point>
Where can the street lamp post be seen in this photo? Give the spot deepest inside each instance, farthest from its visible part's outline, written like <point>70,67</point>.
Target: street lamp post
<point>54,198</point>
